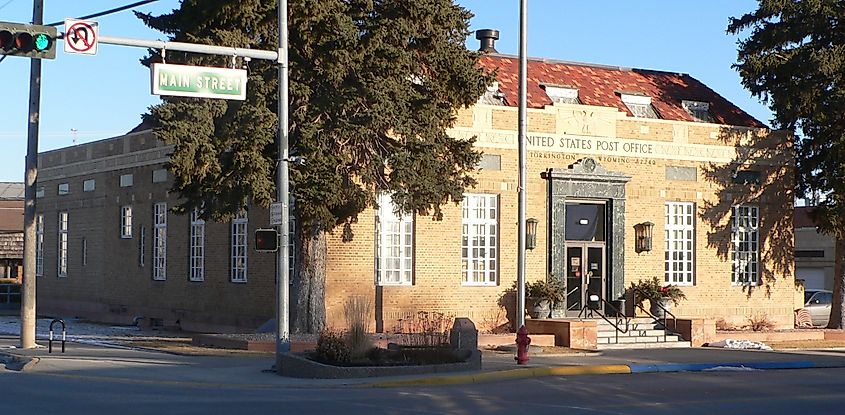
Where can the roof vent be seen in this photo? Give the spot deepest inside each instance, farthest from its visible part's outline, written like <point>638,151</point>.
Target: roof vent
<point>488,38</point>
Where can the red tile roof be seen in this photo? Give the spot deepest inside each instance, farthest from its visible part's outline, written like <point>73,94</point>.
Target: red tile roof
<point>600,85</point>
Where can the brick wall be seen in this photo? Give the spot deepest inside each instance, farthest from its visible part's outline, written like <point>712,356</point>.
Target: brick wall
<point>113,286</point>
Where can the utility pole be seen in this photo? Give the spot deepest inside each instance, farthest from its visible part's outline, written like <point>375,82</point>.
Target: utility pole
<point>282,195</point>
<point>28,315</point>
<point>523,127</point>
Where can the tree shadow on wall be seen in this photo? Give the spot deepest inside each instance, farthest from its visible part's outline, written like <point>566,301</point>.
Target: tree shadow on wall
<point>761,174</point>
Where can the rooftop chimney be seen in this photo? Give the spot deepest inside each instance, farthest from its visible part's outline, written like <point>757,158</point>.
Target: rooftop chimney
<point>488,38</point>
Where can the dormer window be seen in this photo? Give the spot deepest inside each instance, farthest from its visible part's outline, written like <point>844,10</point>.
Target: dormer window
<point>699,110</point>
<point>639,105</point>
<point>562,94</point>
<point>493,96</point>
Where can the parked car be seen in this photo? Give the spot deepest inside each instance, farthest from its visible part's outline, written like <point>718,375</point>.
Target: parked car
<point>817,302</point>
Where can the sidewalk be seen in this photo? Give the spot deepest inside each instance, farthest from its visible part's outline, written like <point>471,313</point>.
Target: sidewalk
<point>98,362</point>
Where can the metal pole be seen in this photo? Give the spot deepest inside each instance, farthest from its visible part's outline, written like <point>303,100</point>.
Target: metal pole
<point>31,173</point>
<point>283,268</point>
<point>192,47</point>
<point>523,123</point>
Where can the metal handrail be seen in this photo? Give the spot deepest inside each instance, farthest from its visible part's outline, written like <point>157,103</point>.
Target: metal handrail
<point>657,319</point>
<point>619,317</point>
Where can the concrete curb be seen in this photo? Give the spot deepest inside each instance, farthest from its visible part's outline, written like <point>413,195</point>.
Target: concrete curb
<point>18,363</point>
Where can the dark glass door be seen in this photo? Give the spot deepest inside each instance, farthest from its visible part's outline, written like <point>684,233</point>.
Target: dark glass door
<point>585,275</point>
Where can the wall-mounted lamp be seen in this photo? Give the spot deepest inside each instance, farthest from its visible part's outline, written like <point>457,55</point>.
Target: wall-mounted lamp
<point>643,233</point>
<point>530,233</point>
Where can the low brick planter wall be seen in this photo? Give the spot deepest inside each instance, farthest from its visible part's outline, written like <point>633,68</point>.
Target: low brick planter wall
<point>493,340</point>
<point>576,334</point>
<point>298,366</point>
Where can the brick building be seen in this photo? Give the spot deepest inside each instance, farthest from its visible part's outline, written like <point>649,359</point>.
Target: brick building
<point>610,150</point>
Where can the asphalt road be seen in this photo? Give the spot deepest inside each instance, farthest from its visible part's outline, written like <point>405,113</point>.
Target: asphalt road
<point>816,391</point>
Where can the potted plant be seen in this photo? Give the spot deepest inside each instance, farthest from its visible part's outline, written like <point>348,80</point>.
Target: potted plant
<point>660,297</point>
<point>543,295</point>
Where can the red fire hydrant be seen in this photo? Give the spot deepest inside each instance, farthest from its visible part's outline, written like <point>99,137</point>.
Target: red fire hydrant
<point>522,343</point>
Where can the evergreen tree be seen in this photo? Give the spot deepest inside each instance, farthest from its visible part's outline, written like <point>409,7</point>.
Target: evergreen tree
<point>373,86</point>
<point>794,60</point>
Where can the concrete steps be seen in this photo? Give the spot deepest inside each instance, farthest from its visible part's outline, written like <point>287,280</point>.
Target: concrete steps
<point>642,333</point>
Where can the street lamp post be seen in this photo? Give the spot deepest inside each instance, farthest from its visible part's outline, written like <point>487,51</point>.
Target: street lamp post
<point>523,126</point>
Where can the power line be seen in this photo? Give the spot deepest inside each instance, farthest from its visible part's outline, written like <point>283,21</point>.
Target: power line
<point>6,4</point>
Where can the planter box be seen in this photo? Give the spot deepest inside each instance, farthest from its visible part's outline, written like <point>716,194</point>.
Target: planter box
<point>298,366</point>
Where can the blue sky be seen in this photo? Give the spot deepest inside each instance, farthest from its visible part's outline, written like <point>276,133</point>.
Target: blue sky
<point>103,96</point>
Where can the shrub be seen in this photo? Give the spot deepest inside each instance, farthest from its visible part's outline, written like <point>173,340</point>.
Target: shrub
<point>553,291</point>
<point>428,328</point>
<point>331,348</point>
<point>654,290</point>
<point>723,325</point>
<point>357,312</point>
<point>760,322</point>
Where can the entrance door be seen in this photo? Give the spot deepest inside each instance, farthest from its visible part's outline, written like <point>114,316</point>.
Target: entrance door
<point>585,274</point>
<point>585,234</point>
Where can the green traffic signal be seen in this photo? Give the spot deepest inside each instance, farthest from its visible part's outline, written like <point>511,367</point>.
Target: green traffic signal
<point>42,42</point>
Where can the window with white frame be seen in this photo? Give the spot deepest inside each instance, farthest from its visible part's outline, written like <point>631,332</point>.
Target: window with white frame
<point>64,189</point>
<point>126,222</point>
<point>479,242</point>
<point>680,243</point>
<point>142,245</point>
<point>126,180</point>
<point>160,241</point>
<point>700,111</point>
<point>197,247</point>
<point>62,248</point>
<point>746,246</point>
<point>239,248</point>
<point>562,94</point>
<point>492,96</point>
<point>639,105</point>
<point>39,245</point>
<point>89,185</point>
<point>394,244</point>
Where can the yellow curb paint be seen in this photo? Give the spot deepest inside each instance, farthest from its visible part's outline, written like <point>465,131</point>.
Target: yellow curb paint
<point>508,374</point>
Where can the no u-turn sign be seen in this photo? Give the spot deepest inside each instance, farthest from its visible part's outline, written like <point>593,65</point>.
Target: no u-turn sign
<point>81,36</point>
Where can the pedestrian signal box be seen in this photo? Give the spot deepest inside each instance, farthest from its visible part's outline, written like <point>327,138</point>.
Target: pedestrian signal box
<point>266,240</point>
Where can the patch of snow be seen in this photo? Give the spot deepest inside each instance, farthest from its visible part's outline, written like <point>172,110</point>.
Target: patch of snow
<point>739,344</point>
<point>730,369</point>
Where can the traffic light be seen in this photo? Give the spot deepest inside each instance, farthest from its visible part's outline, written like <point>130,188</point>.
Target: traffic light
<point>27,40</point>
<point>266,240</point>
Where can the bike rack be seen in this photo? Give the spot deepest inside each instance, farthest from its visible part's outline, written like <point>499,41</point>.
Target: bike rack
<point>64,335</point>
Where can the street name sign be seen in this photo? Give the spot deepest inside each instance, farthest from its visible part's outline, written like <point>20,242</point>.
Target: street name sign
<point>275,213</point>
<point>81,36</point>
<point>198,81</point>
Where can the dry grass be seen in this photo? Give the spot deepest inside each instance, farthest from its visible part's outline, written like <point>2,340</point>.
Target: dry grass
<point>806,344</point>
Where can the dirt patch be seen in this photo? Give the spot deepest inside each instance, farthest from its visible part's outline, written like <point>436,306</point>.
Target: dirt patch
<point>540,350</point>
<point>183,346</point>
